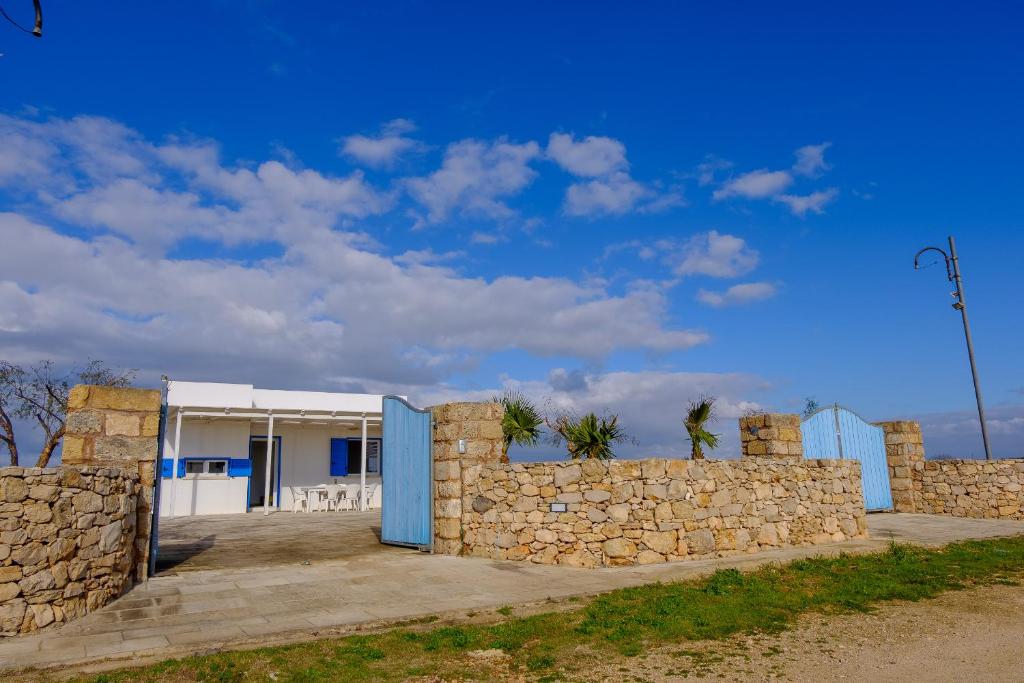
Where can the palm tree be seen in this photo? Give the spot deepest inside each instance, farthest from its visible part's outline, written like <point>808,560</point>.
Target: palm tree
<point>699,413</point>
<point>588,436</point>
<point>521,422</point>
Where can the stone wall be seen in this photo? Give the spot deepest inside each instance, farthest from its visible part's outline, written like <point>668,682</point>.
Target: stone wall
<point>626,512</point>
<point>904,449</point>
<point>66,543</point>
<point>479,425</point>
<point>118,427</point>
<point>991,489</point>
<point>771,435</point>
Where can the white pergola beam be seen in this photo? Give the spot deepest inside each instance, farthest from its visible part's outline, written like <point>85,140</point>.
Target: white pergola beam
<point>174,460</point>
<point>270,459</point>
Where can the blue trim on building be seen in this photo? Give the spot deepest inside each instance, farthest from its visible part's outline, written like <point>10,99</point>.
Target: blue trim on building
<point>280,456</point>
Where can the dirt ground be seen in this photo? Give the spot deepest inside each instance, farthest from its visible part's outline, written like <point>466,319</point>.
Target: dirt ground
<point>974,635</point>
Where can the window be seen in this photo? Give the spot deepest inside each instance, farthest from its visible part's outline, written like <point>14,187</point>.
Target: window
<point>200,467</point>
<point>355,453</point>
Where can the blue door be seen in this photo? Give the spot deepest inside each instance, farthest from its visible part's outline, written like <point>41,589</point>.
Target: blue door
<point>406,500</point>
<point>836,432</point>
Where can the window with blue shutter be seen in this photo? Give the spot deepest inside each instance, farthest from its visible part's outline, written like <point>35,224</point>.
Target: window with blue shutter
<point>239,467</point>
<point>165,468</point>
<point>339,457</point>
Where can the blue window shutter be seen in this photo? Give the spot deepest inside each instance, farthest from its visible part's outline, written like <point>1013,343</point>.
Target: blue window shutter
<point>239,467</point>
<point>181,468</point>
<point>165,468</point>
<point>339,457</point>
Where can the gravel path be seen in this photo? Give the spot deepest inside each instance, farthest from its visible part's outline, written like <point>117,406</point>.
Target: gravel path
<point>973,635</point>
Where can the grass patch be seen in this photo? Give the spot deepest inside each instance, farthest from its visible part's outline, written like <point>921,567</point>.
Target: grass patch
<point>621,623</point>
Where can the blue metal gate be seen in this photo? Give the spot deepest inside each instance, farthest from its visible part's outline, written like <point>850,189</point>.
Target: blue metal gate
<point>836,432</point>
<point>406,461</point>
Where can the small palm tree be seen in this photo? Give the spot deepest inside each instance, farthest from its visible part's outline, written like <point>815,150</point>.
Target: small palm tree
<point>698,414</point>
<point>588,436</point>
<point>520,423</point>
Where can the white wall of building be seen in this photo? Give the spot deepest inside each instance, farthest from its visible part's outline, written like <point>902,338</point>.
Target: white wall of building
<point>305,461</point>
<point>307,457</point>
<point>205,495</point>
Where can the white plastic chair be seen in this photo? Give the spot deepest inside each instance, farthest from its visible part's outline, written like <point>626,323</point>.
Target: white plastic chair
<point>335,497</point>
<point>371,491</point>
<point>299,501</point>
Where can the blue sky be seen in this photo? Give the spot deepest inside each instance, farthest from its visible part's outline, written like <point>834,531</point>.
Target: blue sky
<point>608,207</point>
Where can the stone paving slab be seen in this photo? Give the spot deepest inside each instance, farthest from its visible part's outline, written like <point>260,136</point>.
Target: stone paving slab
<point>239,607</point>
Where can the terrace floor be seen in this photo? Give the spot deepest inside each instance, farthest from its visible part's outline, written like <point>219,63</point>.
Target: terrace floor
<point>186,611</point>
<point>189,544</point>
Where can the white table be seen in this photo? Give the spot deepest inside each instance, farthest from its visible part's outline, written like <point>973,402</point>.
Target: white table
<point>319,492</point>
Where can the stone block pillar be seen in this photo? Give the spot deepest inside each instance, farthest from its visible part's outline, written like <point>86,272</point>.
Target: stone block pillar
<point>904,448</point>
<point>118,427</point>
<point>478,425</point>
<point>771,435</point>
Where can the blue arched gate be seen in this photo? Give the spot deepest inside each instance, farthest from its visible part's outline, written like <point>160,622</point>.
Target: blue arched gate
<point>406,497</point>
<point>836,432</point>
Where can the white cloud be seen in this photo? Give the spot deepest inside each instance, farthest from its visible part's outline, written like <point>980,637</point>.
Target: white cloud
<point>384,149</point>
<point>650,405</point>
<point>814,202</point>
<point>810,160</point>
<point>758,184</point>
<point>711,253</point>
<point>479,237</point>
<point>709,168</point>
<point>772,185</point>
<point>737,295</point>
<point>474,178</point>
<point>611,190</point>
<point>591,157</point>
<point>615,194</point>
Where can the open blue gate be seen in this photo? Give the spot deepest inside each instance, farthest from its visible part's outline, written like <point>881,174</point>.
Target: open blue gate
<point>836,432</point>
<point>406,499</point>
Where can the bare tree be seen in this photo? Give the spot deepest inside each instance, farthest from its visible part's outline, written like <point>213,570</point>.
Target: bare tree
<point>9,377</point>
<point>40,393</point>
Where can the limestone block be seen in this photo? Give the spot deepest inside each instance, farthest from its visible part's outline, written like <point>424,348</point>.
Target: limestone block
<point>12,614</point>
<point>29,555</point>
<point>580,558</point>
<point>122,424</point>
<point>619,548</point>
<point>13,489</point>
<point>122,398</point>
<point>596,515</point>
<point>84,422</point>
<point>663,542</point>
<point>9,591</point>
<point>597,495</point>
<point>567,475</point>
<point>700,541</point>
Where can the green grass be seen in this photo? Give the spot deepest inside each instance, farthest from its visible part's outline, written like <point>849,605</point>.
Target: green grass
<point>620,624</point>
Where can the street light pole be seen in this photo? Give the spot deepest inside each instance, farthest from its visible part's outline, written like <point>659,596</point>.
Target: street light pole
<point>953,275</point>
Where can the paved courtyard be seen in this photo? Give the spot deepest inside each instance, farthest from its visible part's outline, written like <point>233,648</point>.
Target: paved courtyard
<point>188,611</point>
<point>284,538</point>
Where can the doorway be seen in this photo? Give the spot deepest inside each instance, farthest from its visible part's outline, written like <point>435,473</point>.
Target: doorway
<point>258,478</point>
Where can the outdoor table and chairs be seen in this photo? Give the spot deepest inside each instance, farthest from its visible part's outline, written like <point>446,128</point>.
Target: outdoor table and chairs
<point>330,497</point>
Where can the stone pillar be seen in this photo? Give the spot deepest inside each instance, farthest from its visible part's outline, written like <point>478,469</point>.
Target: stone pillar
<point>904,448</point>
<point>118,427</point>
<point>771,435</point>
<point>479,425</point>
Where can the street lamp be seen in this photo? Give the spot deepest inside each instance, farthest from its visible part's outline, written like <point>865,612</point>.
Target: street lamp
<point>953,275</point>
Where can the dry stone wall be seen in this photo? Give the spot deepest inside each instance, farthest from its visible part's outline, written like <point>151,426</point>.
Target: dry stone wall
<point>66,543</point>
<point>627,512</point>
<point>478,425</point>
<point>118,427</point>
<point>992,489</point>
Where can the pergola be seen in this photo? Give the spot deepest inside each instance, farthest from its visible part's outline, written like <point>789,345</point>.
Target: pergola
<point>268,415</point>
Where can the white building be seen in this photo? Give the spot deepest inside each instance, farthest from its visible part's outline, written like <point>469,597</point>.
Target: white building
<point>215,447</point>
